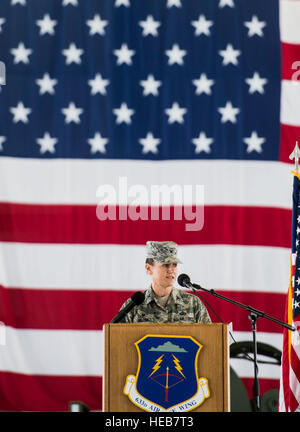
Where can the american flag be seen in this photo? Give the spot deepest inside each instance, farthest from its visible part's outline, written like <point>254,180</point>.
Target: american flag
<point>156,92</point>
<point>290,375</point>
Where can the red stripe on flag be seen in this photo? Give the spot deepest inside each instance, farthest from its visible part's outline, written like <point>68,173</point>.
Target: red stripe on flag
<point>53,393</point>
<point>265,384</point>
<point>58,309</point>
<point>62,308</point>
<point>79,224</point>
<point>20,392</point>
<point>288,137</point>
<point>290,61</point>
<point>270,303</point>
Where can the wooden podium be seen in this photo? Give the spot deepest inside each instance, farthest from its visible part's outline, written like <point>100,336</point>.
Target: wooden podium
<point>138,356</point>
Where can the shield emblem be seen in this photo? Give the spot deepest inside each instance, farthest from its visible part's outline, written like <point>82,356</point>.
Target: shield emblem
<point>167,376</point>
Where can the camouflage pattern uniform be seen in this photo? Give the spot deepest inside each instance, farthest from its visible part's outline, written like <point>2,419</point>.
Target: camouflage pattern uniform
<point>180,307</point>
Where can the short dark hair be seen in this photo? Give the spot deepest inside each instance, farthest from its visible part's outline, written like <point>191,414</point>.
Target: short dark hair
<point>150,261</point>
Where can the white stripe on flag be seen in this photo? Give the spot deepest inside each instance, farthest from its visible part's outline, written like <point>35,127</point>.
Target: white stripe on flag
<point>273,339</point>
<point>281,401</point>
<point>77,181</point>
<point>289,21</point>
<point>76,266</point>
<point>294,385</point>
<point>290,102</point>
<point>80,353</point>
<point>245,369</point>
<point>52,352</point>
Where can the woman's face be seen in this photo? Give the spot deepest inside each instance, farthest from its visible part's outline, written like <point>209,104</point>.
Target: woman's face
<point>163,275</point>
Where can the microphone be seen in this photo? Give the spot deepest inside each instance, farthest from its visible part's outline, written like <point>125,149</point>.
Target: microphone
<point>184,281</point>
<point>136,299</point>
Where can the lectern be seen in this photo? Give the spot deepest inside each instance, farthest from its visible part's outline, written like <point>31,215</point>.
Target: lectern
<point>166,367</point>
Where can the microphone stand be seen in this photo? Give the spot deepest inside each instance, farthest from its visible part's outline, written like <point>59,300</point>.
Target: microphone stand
<point>253,317</point>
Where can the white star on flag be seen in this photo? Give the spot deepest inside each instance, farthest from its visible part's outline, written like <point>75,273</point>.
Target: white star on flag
<point>176,3</point>
<point>46,84</point>
<point>175,113</point>
<point>72,54</point>
<point>2,140</point>
<point>255,27</point>
<point>202,26</point>
<point>2,21</point>
<point>202,143</point>
<point>20,113</point>
<point>124,55</point>
<point>149,26</point>
<point>70,2</point>
<point>98,84</point>
<point>119,3</point>
<point>123,114</point>
<point>72,113</point>
<point>98,143</point>
<point>224,3</point>
<point>203,84</point>
<point>228,113</point>
<point>47,143</point>
<point>2,79</point>
<point>254,143</point>
<point>175,55</point>
<point>21,2</point>
<point>21,53</point>
<point>256,83</point>
<point>149,143</point>
<point>295,304</point>
<point>229,55</point>
<point>97,25</point>
<point>46,25</point>
<point>150,86</point>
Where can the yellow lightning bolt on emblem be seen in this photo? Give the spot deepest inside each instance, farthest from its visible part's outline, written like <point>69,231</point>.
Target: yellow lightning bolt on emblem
<point>157,365</point>
<point>178,367</point>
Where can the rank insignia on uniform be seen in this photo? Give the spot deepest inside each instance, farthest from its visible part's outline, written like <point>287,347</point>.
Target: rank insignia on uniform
<point>167,376</point>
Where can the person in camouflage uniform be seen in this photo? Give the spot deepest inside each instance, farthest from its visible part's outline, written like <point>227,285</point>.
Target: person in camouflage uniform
<point>163,302</point>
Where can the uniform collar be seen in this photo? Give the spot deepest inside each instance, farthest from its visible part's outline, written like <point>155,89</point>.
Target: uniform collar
<point>175,296</point>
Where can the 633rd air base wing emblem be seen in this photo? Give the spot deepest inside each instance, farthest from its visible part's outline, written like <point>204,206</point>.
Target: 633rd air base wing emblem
<point>167,376</point>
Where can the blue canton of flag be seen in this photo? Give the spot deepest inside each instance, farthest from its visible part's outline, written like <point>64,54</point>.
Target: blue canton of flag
<point>104,79</point>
